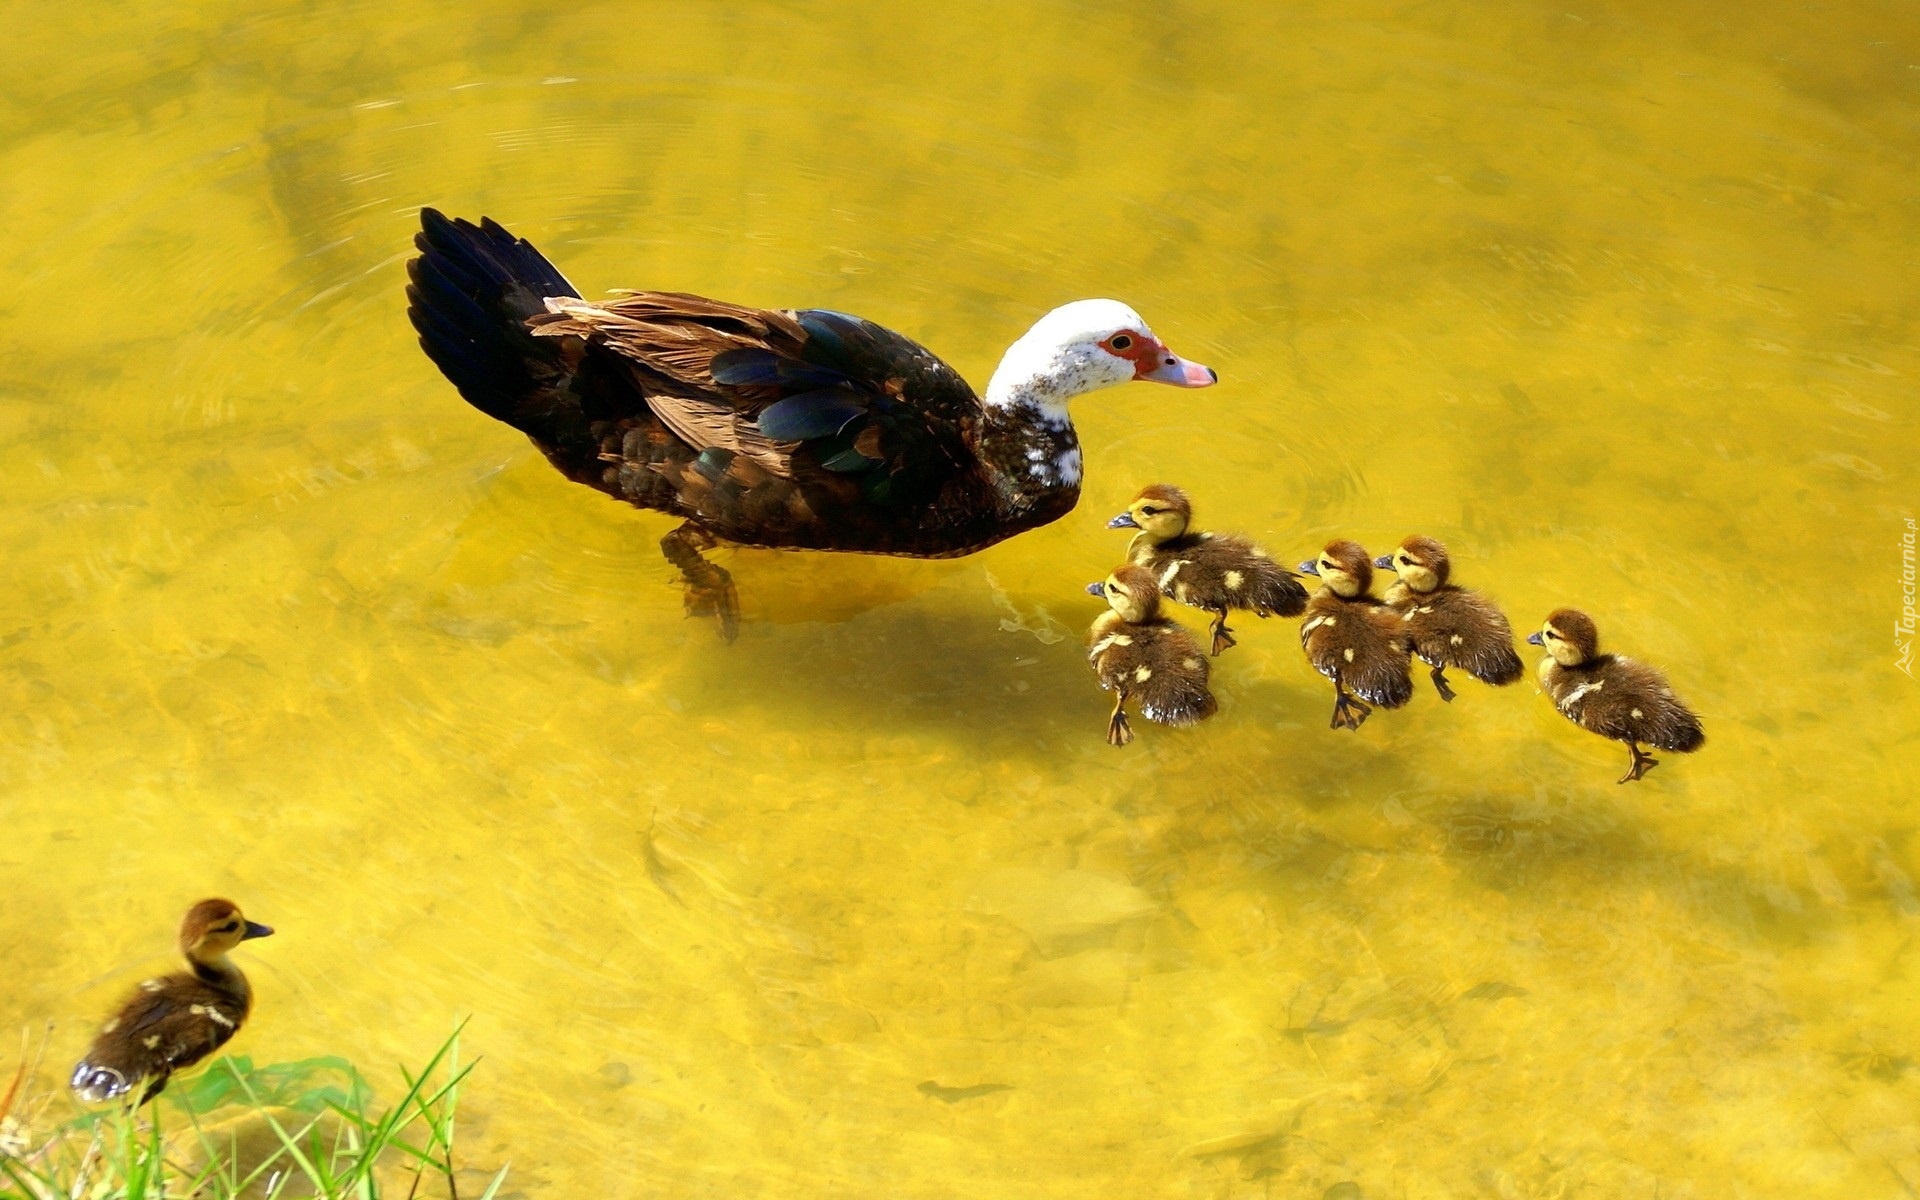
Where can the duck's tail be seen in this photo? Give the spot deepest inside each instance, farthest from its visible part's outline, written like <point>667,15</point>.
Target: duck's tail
<point>1274,589</point>
<point>469,295</point>
<point>1681,732</point>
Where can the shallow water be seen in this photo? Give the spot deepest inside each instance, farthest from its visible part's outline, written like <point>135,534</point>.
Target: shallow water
<point>1618,301</point>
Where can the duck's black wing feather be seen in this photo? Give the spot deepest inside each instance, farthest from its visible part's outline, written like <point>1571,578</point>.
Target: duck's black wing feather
<point>801,394</point>
<point>800,428</point>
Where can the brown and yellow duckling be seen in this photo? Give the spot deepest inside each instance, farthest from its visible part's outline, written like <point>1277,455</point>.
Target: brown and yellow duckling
<point>1449,625</point>
<point>1612,696</point>
<point>1137,652</point>
<point>1354,639</point>
<point>174,1021</point>
<point>1218,572</point>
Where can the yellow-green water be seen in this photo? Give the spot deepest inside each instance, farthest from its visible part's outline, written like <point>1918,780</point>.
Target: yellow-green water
<point>1618,300</point>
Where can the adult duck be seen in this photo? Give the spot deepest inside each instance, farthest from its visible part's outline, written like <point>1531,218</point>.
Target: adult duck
<point>786,428</point>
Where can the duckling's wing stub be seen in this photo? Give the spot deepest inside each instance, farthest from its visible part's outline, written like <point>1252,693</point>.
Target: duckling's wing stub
<point>1453,627</point>
<point>1633,702</point>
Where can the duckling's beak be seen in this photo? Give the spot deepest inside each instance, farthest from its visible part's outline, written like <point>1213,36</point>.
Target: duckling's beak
<point>1534,639</point>
<point>255,929</point>
<point>1310,567</point>
<point>1167,367</point>
<point>1384,561</point>
<point>1123,521</point>
<point>1096,589</point>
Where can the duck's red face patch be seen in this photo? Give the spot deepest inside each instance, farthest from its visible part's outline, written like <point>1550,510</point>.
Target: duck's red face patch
<point>1143,352</point>
<point>1152,360</point>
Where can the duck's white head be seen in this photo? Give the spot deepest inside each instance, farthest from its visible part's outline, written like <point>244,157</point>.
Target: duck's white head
<point>1083,347</point>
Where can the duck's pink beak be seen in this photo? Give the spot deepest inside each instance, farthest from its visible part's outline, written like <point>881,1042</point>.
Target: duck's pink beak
<point>1168,367</point>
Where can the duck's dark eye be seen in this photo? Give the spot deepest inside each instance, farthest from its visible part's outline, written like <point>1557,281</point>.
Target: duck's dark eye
<point>1149,511</point>
<point>229,927</point>
<point>1121,342</point>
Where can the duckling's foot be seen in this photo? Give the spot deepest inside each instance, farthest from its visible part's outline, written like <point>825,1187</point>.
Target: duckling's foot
<point>1222,636</point>
<point>1349,712</point>
<point>1440,684</point>
<point>1642,763</point>
<point>1119,733</point>
<point>155,1085</point>
<point>710,591</point>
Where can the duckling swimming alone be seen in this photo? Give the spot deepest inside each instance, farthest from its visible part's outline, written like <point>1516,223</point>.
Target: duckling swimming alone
<point>1354,639</point>
<point>1217,572</point>
<point>1138,652</point>
<point>1612,696</point>
<point>1449,625</point>
<point>176,1020</point>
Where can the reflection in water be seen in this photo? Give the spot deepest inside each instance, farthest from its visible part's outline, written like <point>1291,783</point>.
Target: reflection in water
<point>1614,303</point>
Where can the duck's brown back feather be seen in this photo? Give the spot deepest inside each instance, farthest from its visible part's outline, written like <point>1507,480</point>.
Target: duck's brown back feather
<point>1222,571</point>
<point>1454,627</point>
<point>1360,645</point>
<point>1174,689</point>
<point>1625,700</point>
<point>165,1025</point>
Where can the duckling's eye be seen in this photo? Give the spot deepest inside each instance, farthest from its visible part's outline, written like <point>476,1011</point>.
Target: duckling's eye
<point>1148,510</point>
<point>229,927</point>
<point>1405,561</point>
<point>1550,634</point>
<point>1120,341</point>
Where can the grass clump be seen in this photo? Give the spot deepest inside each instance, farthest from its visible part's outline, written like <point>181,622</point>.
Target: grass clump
<point>237,1131</point>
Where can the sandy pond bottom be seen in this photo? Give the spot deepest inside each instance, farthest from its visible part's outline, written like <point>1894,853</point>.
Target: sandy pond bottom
<point>1616,300</point>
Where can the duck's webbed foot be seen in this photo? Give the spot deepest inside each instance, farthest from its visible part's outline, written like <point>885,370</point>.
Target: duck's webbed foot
<point>1222,636</point>
<point>1642,763</point>
<point>1440,684</point>
<point>1349,712</point>
<point>710,591</point>
<point>1119,732</point>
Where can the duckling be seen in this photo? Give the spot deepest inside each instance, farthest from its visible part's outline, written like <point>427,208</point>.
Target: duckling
<point>1217,572</point>
<point>1448,625</point>
<point>1354,639</point>
<point>176,1020</point>
<point>1612,696</point>
<point>1138,652</point>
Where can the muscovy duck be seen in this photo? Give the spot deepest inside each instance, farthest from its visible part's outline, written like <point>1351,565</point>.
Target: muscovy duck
<point>785,428</point>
